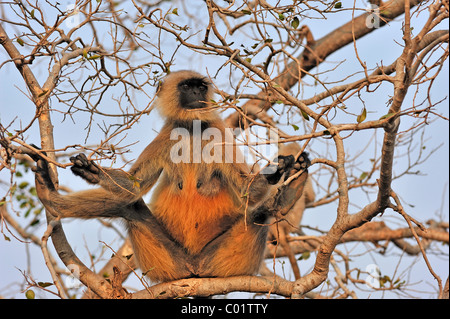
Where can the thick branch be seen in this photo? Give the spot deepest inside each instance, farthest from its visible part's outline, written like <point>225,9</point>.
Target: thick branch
<point>40,99</point>
<point>205,287</point>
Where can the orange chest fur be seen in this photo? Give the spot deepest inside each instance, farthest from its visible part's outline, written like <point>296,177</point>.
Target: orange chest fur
<point>192,218</point>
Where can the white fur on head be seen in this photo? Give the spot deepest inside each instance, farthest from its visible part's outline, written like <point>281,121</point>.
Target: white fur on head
<point>168,100</point>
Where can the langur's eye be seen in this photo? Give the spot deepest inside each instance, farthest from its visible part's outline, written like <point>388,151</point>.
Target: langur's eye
<point>185,86</point>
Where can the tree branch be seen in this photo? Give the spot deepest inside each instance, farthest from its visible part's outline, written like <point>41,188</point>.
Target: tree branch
<point>322,48</point>
<point>40,99</point>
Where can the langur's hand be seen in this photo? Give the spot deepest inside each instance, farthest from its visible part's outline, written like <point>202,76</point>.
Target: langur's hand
<point>287,167</point>
<point>85,168</point>
<point>44,184</point>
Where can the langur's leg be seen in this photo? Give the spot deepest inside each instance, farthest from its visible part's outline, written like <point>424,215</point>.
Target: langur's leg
<point>159,256</point>
<point>240,250</point>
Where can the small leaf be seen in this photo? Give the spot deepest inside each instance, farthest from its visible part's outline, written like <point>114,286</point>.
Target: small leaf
<point>44,284</point>
<point>338,5</point>
<point>295,127</point>
<point>20,41</point>
<point>305,115</point>
<point>295,23</point>
<point>32,14</point>
<point>363,176</point>
<point>6,237</point>
<point>305,255</point>
<point>175,11</point>
<point>281,16</point>
<point>43,93</point>
<point>96,56</point>
<point>35,222</point>
<point>23,185</point>
<point>386,116</point>
<point>326,132</point>
<point>85,53</point>
<point>29,294</point>
<point>362,116</point>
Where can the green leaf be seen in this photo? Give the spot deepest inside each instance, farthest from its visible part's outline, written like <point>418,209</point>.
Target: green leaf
<point>387,116</point>
<point>305,115</point>
<point>32,14</point>
<point>175,11</point>
<point>35,222</point>
<point>305,255</point>
<point>20,41</point>
<point>295,23</point>
<point>96,56</point>
<point>281,16</point>
<point>23,185</point>
<point>338,5</point>
<point>30,294</point>
<point>295,127</point>
<point>362,116</point>
<point>363,176</point>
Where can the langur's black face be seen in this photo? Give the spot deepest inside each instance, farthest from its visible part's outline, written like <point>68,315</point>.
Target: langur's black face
<point>193,93</point>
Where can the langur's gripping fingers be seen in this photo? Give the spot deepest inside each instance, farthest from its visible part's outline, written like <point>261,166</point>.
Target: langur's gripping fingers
<point>292,189</point>
<point>301,164</point>
<point>44,184</point>
<point>274,173</point>
<point>85,168</point>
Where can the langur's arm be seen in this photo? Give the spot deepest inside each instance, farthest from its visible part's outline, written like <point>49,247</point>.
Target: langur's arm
<point>85,204</point>
<point>120,190</point>
<point>126,186</point>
